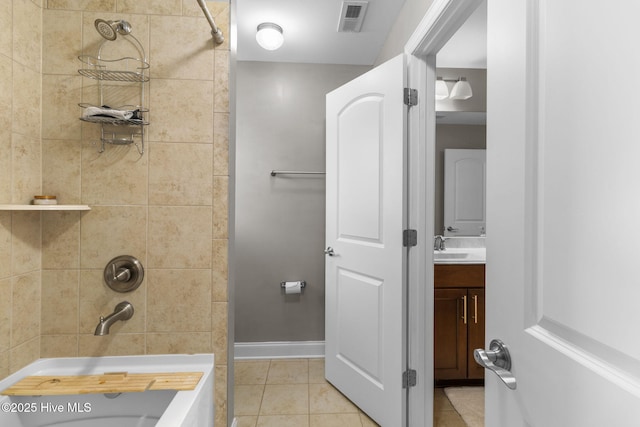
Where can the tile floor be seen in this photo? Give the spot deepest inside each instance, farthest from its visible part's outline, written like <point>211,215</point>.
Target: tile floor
<point>294,393</point>
<point>291,393</point>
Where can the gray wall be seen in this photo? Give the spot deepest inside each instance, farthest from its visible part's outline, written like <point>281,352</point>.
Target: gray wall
<point>280,220</point>
<point>452,136</point>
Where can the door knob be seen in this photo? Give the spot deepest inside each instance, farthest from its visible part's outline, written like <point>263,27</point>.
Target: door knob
<point>498,360</point>
<point>329,251</point>
<point>452,229</point>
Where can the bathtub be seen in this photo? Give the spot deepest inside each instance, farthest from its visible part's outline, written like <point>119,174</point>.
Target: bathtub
<point>161,408</point>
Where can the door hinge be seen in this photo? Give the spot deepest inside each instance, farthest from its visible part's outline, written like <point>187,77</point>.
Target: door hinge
<point>409,378</point>
<point>410,97</point>
<point>409,238</point>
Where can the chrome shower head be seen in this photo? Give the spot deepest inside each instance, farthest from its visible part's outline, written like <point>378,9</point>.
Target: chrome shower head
<point>110,29</point>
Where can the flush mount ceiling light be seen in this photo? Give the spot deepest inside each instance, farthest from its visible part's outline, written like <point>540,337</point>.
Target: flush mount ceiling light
<point>461,89</point>
<point>269,36</point>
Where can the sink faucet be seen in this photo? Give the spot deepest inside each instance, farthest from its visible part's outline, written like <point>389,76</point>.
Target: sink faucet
<point>438,243</point>
<point>123,311</point>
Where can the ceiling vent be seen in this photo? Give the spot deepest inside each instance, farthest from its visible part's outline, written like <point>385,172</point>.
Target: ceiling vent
<point>352,16</point>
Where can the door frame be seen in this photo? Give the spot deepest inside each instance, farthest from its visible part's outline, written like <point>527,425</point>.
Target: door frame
<point>442,20</point>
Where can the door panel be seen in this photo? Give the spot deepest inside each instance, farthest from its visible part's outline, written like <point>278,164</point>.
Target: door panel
<point>464,192</point>
<point>561,164</point>
<point>365,299</point>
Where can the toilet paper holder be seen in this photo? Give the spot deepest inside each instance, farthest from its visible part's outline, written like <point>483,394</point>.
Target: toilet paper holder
<point>303,284</point>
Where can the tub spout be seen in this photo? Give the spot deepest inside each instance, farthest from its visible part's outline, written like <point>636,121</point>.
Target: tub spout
<point>123,311</point>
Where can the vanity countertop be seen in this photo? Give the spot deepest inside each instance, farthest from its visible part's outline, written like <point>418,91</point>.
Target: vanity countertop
<point>460,256</point>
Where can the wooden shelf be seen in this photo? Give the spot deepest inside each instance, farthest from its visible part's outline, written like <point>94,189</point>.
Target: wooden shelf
<point>44,208</point>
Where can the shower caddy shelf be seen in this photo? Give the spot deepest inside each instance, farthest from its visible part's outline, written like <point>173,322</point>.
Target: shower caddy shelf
<point>127,70</point>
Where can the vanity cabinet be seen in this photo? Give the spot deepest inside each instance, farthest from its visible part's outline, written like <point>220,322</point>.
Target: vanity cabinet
<point>459,321</point>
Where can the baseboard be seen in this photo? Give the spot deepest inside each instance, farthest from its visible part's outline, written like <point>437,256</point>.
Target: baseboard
<point>278,350</point>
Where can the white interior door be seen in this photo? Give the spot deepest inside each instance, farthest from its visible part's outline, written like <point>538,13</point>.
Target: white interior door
<point>365,337</point>
<point>562,186</point>
<point>464,192</point>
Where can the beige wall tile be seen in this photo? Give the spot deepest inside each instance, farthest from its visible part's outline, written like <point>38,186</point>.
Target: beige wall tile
<point>219,331</point>
<point>180,342</point>
<point>25,312</point>
<point>27,96</point>
<point>60,112</point>
<point>62,41</point>
<point>5,315</point>
<point>59,345</point>
<point>25,242</point>
<point>27,34</point>
<point>6,29</point>
<point>182,111</point>
<point>86,5</point>
<point>110,231</point>
<point>221,82</point>
<point>220,393</point>
<point>6,80</point>
<point>179,301</point>
<point>118,176</point>
<point>5,167</point>
<point>59,311</point>
<point>23,354</point>
<point>5,244</point>
<point>61,163</point>
<point>97,299</point>
<point>111,345</point>
<point>220,276</point>
<point>151,7</point>
<point>25,168</point>
<point>221,144</point>
<point>179,237</point>
<point>220,207</point>
<point>4,364</point>
<point>61,239</point>
<point>180,174</point>
<point>189,56</point>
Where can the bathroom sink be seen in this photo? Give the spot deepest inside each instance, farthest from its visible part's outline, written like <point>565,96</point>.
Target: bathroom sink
<point>460,256</point>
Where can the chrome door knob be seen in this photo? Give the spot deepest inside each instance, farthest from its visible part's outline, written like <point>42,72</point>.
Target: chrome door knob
<point>498,360</point>
<point>329,251</point>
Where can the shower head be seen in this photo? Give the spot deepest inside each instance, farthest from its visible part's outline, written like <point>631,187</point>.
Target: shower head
<point>110,29</point>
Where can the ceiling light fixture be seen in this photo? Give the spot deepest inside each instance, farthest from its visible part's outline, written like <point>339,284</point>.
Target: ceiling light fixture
<point>461,89</point>
<point>269,36</point>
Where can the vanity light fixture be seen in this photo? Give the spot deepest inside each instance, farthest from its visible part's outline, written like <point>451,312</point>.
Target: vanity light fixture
<point>269,36</point>
<point>461,89</point>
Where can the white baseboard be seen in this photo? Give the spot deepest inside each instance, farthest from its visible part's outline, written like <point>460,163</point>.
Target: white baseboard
<point>278,350</point>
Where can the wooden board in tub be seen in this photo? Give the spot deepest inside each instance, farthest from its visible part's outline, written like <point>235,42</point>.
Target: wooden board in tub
<point>112,382</point>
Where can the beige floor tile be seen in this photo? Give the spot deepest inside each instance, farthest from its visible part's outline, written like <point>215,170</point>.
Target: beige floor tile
<point>285,399</point>
<point>291,371</point>
<point>251,372</point>
<point>247,421</point>
<point>440,401</point>
<point>247,399</point>
<point>316,371</point>
<point>334,420</point>
<point>325,399</point>
<point>283,421</point>
<point>448,419</point>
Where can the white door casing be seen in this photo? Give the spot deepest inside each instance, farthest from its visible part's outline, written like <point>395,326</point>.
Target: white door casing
<point>562,154</point>
<point>464,192</point>
<point>365,332</point>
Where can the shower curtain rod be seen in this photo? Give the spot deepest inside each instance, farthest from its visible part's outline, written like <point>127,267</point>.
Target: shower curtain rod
<point>215,31</point>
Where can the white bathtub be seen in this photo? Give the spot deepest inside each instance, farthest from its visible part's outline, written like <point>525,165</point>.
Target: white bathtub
<point>163,408</point>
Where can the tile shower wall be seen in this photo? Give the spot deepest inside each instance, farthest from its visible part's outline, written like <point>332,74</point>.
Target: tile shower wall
<point>20,179</point>
<point>168,207</point>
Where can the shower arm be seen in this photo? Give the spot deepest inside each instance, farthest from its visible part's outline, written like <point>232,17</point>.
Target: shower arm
<point>215,31</point>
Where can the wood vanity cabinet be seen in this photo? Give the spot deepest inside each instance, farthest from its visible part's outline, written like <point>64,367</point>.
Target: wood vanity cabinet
<point>459,322</point>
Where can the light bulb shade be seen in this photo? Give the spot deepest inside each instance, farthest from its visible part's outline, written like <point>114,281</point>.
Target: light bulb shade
<point>461,90</point>
<point>442,90</point>
<point>269,36</point>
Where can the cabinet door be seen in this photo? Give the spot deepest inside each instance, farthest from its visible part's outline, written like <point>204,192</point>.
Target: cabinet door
<point>450,333</point>
<point>475,330</point>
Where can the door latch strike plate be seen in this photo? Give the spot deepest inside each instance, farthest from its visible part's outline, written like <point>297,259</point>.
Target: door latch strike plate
<point>409,378</point>
<point>409,238</point>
